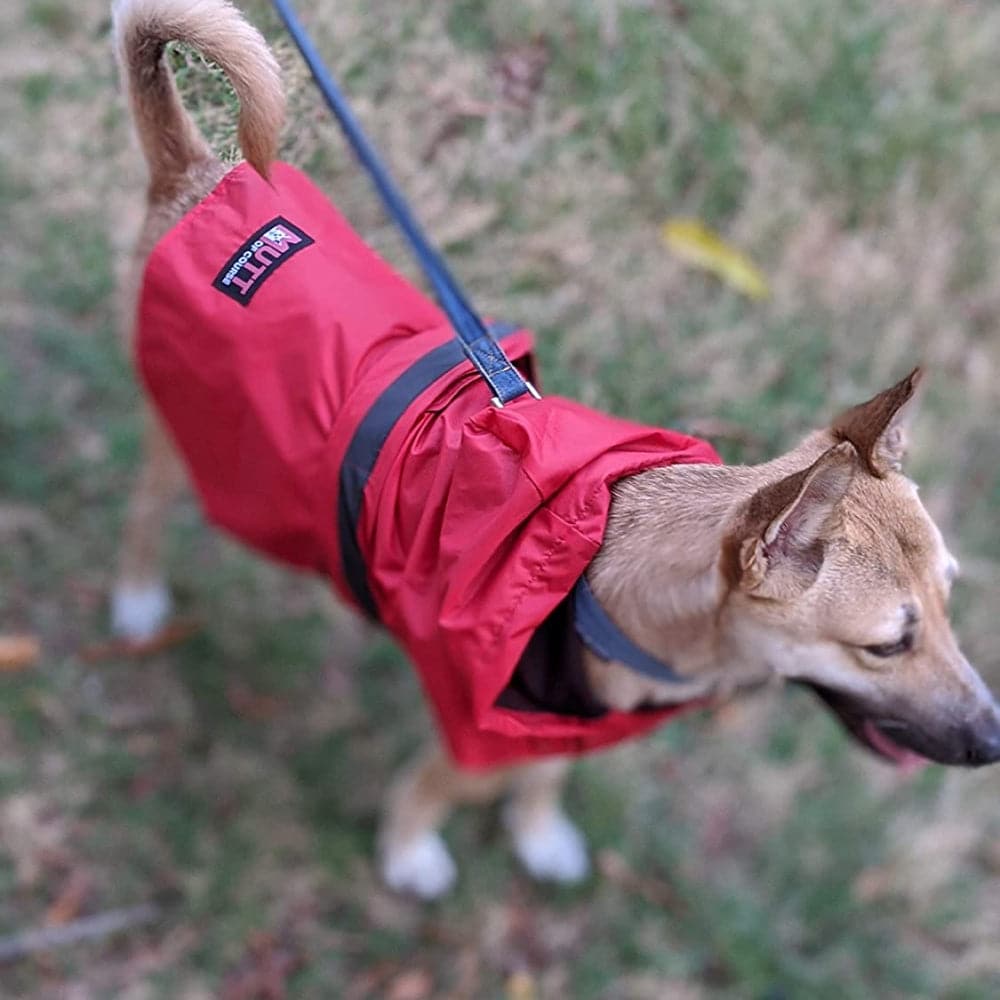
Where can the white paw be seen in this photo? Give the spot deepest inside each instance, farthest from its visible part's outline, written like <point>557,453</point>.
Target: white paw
<point>551,848</point>
<point>422,867</point>
<point>139,611</point>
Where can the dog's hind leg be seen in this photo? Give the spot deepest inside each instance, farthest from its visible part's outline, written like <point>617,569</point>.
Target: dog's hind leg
<point>140,602</point>
<point>546,842</point>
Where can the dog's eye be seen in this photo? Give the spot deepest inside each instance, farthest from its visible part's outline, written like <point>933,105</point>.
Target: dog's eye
<point>887,649</point>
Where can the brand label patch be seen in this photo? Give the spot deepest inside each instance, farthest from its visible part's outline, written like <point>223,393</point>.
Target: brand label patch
<point>259,257</point>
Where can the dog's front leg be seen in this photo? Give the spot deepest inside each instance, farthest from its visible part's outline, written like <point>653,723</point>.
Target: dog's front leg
<point>546,842</point>
<point>140,602</point>
<point>413,855</point>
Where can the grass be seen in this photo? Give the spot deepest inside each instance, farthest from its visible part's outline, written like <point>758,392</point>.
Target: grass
<point>849,148</point>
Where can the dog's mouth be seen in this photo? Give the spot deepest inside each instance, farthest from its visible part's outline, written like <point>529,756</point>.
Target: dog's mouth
<point>875,737</point>
<point>886,738</point>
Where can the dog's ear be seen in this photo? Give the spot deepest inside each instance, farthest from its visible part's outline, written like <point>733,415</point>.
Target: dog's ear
<point>781,546</point>
<point>878,428</point>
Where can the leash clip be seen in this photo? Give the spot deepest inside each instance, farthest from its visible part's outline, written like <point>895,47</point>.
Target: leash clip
<point>532,391</point>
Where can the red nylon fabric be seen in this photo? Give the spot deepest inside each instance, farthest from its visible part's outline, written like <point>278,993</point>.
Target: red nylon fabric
<point>476,522</point>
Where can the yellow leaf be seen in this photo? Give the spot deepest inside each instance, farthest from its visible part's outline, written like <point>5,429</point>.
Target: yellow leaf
<point>521,986</point>
<point>696,244</point>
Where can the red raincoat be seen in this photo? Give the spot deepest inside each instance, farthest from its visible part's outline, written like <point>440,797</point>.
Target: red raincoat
<point>329,420</point>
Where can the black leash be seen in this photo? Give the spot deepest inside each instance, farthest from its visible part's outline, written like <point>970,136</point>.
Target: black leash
<point>592,623</point>
<point>504,380</point>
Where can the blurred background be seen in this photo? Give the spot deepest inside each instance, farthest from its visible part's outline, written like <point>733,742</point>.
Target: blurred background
<point>849,148</point>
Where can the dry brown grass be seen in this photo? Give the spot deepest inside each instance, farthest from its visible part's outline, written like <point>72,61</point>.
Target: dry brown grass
<point>850,148</point>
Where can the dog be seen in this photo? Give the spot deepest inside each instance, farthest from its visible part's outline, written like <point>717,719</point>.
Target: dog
<point>820,567</point>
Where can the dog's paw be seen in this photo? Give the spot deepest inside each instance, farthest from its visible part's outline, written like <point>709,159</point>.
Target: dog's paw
<point>139,611</point>
<point>550,848</point>
<point>422,867</point>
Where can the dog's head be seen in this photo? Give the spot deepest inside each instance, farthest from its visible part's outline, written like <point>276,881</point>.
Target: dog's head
<point>840,579</point>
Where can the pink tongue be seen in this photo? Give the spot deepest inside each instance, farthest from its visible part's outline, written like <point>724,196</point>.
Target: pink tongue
<point>907,760</point>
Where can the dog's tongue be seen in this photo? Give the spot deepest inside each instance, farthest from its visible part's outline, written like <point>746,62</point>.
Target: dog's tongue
<point>905,759</point>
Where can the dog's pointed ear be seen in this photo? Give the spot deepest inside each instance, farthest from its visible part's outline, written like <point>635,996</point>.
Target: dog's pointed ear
<point>878,429</point>
<point>782,539</point>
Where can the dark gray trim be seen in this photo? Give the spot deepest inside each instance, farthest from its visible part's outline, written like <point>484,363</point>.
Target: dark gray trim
<point>604,638</point>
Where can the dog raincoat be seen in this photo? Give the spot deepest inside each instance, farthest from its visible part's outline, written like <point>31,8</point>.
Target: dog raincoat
<point>330,420</point>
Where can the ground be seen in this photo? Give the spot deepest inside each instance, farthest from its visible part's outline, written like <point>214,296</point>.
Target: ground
<point>849,147</point>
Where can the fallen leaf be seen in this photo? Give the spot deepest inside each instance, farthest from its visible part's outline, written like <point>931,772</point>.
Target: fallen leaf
<point>694,243</point>
<point>250,704</point>
<point>69,902</point>
<point>521,986</point>
<point>415,984</point>
<point>19,651</point>
<point>264,971</point>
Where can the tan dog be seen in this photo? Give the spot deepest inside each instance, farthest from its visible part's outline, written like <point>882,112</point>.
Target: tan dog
<point>821,566</point>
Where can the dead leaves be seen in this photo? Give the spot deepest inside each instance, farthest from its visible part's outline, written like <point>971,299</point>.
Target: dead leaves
<point>264,971</point>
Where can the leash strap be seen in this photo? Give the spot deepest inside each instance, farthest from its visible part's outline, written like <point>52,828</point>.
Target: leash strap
<point>604,638</point>
<point>505,381</point>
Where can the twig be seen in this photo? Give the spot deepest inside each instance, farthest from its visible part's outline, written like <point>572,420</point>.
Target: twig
<point>172,634</point>
<point>25,943</point>
<point>654,890</point>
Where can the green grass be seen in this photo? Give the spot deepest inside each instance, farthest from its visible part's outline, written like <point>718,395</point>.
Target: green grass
<point>850,149</point>
<point>52,16</point>
<point>70,268</point>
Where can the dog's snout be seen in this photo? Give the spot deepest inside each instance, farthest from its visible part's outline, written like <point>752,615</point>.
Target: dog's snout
<point>983,751</point>
<point>983,739</point>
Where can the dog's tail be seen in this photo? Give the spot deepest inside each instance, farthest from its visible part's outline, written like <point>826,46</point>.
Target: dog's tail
<point>169,137</point>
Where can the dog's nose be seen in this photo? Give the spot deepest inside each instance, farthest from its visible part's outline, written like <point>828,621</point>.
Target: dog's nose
<point>983,739</point>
